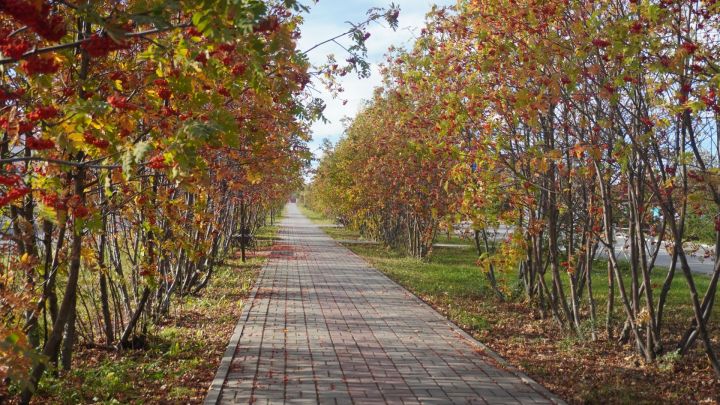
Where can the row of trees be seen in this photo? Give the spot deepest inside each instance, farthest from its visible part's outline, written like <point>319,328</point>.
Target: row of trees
<point>584,126</point>
<point>139,140</point>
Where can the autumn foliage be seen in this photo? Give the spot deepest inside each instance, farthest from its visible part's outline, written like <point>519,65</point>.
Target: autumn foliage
<point>138,140</point>
<point>586,128</point>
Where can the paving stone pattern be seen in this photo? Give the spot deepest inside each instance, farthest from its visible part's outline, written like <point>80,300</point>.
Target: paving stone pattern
<point>325,327</point>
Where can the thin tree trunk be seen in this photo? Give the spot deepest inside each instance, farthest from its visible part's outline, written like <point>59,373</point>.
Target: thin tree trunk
<point>52,346</point>
<point>125,337</point>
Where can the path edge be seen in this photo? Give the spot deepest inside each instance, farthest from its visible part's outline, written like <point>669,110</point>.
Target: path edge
<point>215,389</point>
<point>470,338</point>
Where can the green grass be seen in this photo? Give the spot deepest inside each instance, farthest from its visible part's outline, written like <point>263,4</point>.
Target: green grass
<point>678,304</point>
<point>701,228</point>
<point>341,233</point>
<point>316,217</point>
<point>451,272</point>
<point>268,232</point>
<point>442,237</point>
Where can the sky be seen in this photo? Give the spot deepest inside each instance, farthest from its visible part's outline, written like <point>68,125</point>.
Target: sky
<point>327,19</point>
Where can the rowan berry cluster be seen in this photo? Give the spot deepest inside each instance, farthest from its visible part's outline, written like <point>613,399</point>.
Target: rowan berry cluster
<point>14,48</point>
<point>22,126</point>
<point>157,162</point>
<point>36,15</point>
<point>13,195</point>
<point>99,45</point>
<point>77,208</point>
<point>6,95</point>
<point>40,65</point>
<point>121,103</point>
<point>54,201</point>
<point>95,141</point>
<point>164,93</point>
<point>267,25</point>
<point>43,113</point>
<point>39,144</point>
<point>10,180</point>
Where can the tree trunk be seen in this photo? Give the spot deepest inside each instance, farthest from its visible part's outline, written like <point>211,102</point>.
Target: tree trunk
<point>52,346</point>
<point>125,338</point>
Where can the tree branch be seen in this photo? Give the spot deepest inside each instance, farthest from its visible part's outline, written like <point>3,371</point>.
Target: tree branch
<point>77,43</point>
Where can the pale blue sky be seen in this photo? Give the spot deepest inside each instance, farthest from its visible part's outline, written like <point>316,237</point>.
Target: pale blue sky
<point>328,18</point>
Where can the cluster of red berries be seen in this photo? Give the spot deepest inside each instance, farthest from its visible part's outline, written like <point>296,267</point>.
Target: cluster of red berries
<point>710,100</point>
<point>227,47</point>
<point>202,58</point>
<point>74,204</point>
<point>77,209</point>
<point>694,175</point>
<point>11,95</point>
<point>40,65</point>
<point>647,122</point>
<point>95,141</point>
<point>121,103</point>
<point>14,48</point>
<point>224,52</point>
<point>630,79</point>
<point>54,201</point>
<point>166,111</point>
<point>164,93</point>
<point>43,113</point>
<point>157,162</point>
<point>239,69</point>
<point>601,43</point>
<point>223,91</point>
<point>193,32</point>
<point>36,15</point>
<point>163,90</point>
<point>637,27</point>
<point>22,126</point>
<point>99,45</point>
<point>13,195</point>
<point>33,143</point>
<point>80,211</point>
<point>9,180</point>
<point>25,126</point>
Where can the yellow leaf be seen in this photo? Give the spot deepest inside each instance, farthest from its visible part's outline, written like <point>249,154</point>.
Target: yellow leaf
<point>77,137</point>
<point>254,177</point>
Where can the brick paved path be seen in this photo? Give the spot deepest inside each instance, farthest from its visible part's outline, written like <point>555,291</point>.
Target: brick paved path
<point>324,327</point>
